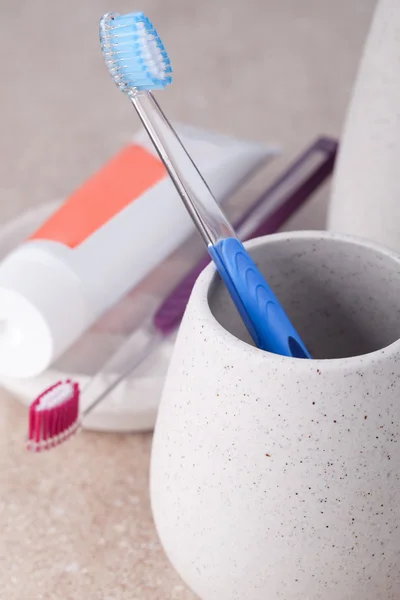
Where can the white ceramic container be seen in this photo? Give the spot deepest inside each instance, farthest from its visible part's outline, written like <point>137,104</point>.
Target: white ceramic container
<point>366,185</point>
<point>279,478</point>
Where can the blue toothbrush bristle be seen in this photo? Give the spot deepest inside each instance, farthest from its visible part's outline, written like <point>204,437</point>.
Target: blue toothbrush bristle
<point>133,52</point>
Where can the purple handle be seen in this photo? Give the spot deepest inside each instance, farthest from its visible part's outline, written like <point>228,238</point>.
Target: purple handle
<point>170,313</point>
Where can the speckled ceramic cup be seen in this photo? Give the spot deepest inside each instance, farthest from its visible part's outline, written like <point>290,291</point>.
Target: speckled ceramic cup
<point>278,478</point>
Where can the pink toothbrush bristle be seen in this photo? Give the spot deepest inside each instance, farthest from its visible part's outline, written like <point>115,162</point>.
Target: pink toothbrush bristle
<point>53,416</point>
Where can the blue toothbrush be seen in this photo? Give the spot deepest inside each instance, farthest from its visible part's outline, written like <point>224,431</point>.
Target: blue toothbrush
<point>138,63</point>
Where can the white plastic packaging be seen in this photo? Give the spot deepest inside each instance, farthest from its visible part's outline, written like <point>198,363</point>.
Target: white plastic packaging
<point>57,283</point>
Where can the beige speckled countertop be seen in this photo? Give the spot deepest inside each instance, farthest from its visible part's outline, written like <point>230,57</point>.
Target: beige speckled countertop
<point>76,523</point>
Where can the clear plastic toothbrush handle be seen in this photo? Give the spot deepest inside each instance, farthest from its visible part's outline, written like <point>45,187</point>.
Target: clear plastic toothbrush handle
<point>194,191</point>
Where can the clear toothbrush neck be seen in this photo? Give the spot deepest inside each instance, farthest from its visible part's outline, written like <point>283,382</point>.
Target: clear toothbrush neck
<point>193,190</point>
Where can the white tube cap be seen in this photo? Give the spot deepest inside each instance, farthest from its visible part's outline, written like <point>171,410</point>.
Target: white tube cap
<point>42,309</point>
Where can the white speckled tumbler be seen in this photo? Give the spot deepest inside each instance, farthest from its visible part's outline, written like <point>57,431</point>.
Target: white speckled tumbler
<point>279,478</point>
<point>366,186</point>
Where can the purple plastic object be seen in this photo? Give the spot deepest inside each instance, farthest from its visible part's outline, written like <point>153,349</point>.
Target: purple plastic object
<point>171,311</point>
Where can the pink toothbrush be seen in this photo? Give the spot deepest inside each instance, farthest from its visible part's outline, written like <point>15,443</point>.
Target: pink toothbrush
<point>54,415</point>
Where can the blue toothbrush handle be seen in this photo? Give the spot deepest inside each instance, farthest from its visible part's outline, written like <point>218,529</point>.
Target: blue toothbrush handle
<point>261,312</point>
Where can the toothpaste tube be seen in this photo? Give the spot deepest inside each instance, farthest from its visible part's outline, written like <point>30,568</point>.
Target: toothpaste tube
<point>106,237</point>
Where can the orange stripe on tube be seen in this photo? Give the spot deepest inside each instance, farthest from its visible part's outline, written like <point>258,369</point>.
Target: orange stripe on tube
<point>120,181</point>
